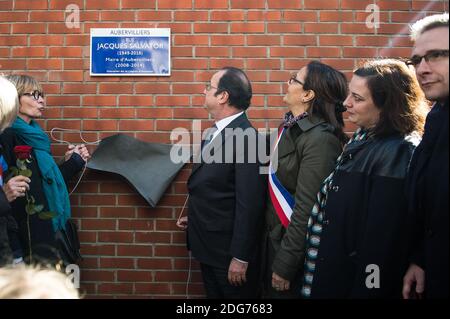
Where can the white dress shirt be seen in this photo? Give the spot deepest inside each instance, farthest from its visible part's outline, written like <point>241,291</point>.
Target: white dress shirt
<point>223,123</point>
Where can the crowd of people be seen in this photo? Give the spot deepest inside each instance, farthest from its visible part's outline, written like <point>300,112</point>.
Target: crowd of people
<point>335,217</point>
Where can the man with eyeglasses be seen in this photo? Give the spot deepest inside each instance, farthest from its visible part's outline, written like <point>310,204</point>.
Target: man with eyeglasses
<point>428,175</point>
<point>226,197</point>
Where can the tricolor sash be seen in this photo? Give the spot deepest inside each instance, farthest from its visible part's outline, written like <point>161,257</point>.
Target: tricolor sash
<point>3,168</point>
<point>282,200</point>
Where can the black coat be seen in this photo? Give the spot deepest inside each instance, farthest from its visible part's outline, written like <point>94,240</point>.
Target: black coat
<point>226,206</point>
<point>5,229</point>
<point>8,229</point>
<point>428,202</point>
<point>365,222</point>
<point>42,233</point>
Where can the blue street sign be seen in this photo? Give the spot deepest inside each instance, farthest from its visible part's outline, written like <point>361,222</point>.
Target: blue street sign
<point>130,52</point>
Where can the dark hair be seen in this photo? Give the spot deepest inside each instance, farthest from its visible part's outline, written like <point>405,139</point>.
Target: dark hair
<point>330,87</point>
<point>396,93</point>
<point>236,83</point>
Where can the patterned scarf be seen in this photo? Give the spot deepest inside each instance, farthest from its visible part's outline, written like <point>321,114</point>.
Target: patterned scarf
<point>315,222</point>
<point>290,119</point>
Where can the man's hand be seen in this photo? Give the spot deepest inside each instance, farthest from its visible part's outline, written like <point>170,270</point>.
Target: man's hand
<point>236,272</point>
<point>279,283</point>
<point>414,276</point>
<point>16,187</point>
<point>182,223</point>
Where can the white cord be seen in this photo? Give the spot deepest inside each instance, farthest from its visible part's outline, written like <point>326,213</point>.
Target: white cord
<point>190,254</point>
<point>68,143</point>
<point>184,206</point>
<point>69,130</point>
<point>189,275</point>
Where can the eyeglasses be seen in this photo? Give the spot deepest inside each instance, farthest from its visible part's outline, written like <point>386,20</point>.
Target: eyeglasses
<point>36,94</point>
<point>430,57</point>
<point>294,79</point>
<point>209,87</point>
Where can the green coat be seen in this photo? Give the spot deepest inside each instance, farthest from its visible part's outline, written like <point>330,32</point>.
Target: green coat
<point>307,155</point>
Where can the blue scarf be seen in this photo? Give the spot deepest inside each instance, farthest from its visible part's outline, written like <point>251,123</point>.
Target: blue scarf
<point>55,189</point>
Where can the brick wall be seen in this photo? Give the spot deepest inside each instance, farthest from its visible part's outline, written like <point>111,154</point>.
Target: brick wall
<point>132,250</point>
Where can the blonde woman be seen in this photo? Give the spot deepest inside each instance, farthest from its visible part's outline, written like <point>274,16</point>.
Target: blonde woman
<point>47,184</point>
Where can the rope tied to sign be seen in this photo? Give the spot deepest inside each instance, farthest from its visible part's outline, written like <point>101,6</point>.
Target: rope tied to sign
<point>68,143</point>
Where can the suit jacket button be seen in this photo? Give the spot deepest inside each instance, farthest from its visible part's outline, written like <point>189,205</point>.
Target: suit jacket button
<point>326,222</point>
<point>336,189</point>
<point>430,233</point>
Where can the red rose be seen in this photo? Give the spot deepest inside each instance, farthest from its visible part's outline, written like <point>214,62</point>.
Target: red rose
<point>23,152</point>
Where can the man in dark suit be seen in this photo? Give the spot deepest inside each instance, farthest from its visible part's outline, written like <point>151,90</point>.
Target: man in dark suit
<point>428,175</point>
<point>227,193</point>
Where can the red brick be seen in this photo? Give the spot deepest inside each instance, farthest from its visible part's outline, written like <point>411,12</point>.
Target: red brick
<point>154,15</point>
<point>227,15</point>
<point>261,15</point>
<point>153,237</point>
<point>30,5</point>
<point>174,4</point>
<point>29,28</point>
<point>208,4</point>
<point>258,40</point>
<point>79,88</point>
<point>115,263</point>
<point>6,5</point>
<point>29,52</point>
<point>300,40</point>
<point>152,288</point>
<point>138,4</point>
<point>13,16</point>
<point>248,27</point>
<point>115,237</point>
<point>284,28</point>
<point>231,40</point>
<point>321,4</point>
<point>210,28</point>
<point>191,15</point>
<point>135,250</point>
<point>117,16</point>
<point>46,16</point>
<point>115,288</point>
<point>96,224</point>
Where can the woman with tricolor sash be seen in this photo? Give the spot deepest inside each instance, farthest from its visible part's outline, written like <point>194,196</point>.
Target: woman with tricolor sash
<point>309,142</point>
<point>357,240</point>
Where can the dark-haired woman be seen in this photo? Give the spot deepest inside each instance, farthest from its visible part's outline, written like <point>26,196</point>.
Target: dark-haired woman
<point>357,239</point>
<point>310,140</point>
